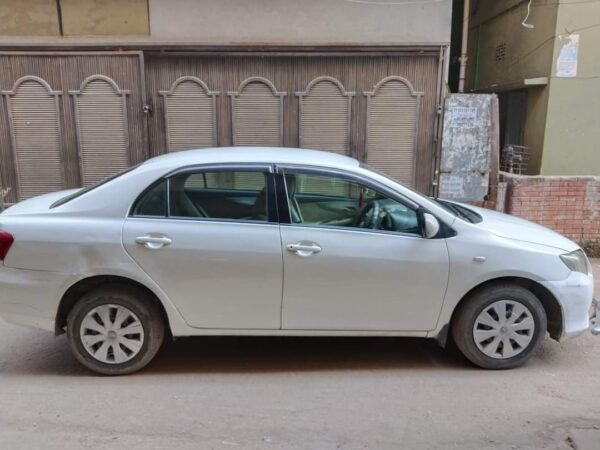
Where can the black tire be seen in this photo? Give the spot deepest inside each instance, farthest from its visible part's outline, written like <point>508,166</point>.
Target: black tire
<point>135,300</point>
<point>465,317</point>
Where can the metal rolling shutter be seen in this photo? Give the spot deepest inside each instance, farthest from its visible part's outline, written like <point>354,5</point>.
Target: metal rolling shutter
<point>36,136</point>
<point>325,116</point>
<point>227,180</point>
<point>248,80</point>
<point>190,115</point>
<point>392,120</point>
<point>102,131</point>
<point>257,113</point>
<point>324,185</point>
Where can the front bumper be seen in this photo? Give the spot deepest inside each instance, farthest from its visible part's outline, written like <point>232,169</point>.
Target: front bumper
<point>574,295</point>
<point>595,317</point>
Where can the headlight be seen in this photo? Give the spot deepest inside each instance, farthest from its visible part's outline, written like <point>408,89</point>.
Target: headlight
<point>576,261</point>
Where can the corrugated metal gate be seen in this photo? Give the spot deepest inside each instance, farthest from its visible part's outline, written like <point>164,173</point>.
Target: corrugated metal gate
<point>68,119</point>
<point>379,109</point>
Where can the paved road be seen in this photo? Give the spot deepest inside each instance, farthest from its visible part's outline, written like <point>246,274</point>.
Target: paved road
<point>299,393</point>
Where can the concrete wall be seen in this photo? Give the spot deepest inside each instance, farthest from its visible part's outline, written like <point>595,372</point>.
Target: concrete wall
<point>79,18</point>
<point>301,21</point>
<point>535,126</point>
<point>104,17</point>
<point>572,130</point>
<point>528,52</point>
<point>484,10</point>
<point>318,22</point>
<point>468,143</point>
<point>29,18</point>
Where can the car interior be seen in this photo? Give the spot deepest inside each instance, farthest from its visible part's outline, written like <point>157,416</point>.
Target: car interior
<point>333,201</point>
<point>313,200</point>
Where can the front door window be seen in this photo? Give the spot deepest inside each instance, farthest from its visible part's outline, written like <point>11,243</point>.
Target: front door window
<point>333,201</point>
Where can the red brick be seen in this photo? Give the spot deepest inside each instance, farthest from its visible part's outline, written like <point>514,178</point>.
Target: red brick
<point>562,204</point>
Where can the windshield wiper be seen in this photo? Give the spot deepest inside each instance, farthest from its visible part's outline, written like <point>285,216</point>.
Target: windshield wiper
<point>460,211</point>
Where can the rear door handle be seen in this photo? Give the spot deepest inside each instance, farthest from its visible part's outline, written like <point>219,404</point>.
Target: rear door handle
<point>303,249</point>
<point>153,242</point>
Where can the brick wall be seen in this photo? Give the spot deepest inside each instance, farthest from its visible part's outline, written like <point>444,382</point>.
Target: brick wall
<point>568,205</point>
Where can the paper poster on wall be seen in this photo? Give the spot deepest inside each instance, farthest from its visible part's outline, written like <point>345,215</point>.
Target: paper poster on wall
<point>566,65</point>
<point>463,117</point>
<point>452,186</point>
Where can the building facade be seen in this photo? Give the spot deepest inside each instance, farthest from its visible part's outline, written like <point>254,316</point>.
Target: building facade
<point>545,66</point>
<point>90,87</point>
<point>542,58</point>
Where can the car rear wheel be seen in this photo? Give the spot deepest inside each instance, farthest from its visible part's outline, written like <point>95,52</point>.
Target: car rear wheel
<point>500,327</point>
<point>115,330</point>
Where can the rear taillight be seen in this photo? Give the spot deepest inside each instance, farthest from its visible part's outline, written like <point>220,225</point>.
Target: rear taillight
<point>6,240</point>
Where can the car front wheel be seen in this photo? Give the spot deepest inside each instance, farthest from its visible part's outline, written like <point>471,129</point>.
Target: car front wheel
<point>115,330</point>
<point>500,327</point>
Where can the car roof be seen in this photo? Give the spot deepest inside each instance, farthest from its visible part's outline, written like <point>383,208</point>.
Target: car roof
<point>271,155</point>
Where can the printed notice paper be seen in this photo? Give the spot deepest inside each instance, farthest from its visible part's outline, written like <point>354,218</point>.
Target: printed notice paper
<point>566,65</point>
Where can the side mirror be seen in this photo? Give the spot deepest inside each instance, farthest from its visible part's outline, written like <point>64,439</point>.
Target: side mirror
<point>431,226</point>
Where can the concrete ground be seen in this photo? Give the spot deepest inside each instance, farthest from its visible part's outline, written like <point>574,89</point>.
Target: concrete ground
<point>299,393</point>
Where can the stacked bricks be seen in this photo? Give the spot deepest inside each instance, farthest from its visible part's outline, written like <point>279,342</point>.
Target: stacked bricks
<point>568,205</point>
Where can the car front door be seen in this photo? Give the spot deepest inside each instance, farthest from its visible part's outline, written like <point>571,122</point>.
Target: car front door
<point>209,238</point>
<point>355,259</point>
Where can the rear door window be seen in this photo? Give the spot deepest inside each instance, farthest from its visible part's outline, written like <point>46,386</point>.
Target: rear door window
<point>219,195</point>
<point>153,203</point>
<point>230,195</point>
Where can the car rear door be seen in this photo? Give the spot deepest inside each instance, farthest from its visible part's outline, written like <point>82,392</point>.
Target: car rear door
<point>340,274</point>
<point>212,244</point>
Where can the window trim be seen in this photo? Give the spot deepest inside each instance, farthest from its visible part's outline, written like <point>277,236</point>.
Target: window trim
<point>266,169</point>
<point>144,193</point>
<point>282,169</point>
<point>221,167</point>
<point>283,205</point>
<point>317,170</point>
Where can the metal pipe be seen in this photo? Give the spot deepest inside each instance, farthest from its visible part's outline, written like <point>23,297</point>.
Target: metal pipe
<point>477,58</point>
<point>463,49</point>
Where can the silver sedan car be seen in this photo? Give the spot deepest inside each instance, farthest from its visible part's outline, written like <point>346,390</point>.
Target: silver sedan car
<point>281,242</point>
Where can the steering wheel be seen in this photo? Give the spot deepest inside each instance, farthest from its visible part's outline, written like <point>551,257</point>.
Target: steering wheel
<point>387,220</point>
<point>369,216</point>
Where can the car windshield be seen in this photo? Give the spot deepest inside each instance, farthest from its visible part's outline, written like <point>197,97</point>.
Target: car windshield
<point>85,190</point>
<point>459,210</point>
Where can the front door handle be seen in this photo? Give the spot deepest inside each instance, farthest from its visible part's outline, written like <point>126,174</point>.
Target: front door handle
<point>153,242</point>
<point>304,249</point>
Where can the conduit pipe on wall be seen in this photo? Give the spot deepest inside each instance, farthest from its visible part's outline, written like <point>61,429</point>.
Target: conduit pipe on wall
<point>464,45</point>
